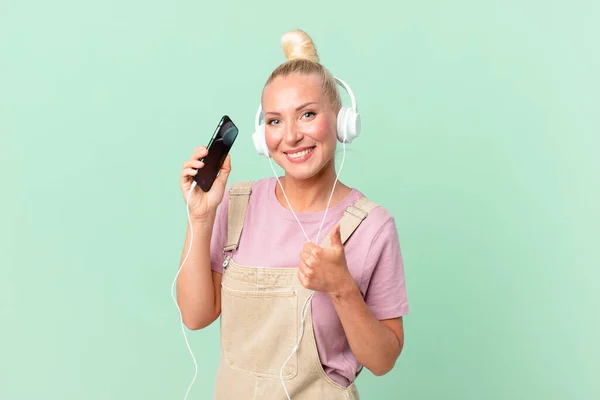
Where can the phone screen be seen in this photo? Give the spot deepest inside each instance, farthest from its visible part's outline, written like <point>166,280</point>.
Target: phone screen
<point>218,148</point>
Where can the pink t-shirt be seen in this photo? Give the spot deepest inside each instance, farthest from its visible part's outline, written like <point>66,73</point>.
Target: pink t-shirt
<point>272,238</point>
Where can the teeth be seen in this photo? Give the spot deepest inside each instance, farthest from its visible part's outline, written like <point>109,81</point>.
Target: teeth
<point>300,153</point>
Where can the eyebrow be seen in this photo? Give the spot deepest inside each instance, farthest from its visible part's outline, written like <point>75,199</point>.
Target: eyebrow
<point>297,108</point>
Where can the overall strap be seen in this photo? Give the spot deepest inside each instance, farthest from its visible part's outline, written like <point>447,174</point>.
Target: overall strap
<point>239,195</point>
<point>352,218</point>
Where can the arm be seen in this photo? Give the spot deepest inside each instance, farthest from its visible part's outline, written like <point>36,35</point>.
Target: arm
<point>376,344</point>
<point>198,287</point>
<point>373,325</point>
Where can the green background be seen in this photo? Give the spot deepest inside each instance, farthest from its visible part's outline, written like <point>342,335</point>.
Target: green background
<point>480,135</point>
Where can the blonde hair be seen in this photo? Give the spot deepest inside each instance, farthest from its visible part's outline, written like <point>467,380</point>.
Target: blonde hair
<point>302,58</point>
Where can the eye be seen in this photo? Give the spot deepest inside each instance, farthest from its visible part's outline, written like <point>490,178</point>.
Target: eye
<point>308,114</point>
<point>271,121</point>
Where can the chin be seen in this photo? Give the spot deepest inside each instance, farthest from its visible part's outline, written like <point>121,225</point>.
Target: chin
<point>300,175</point>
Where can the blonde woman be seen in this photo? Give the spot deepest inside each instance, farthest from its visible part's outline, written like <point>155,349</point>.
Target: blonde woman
<point>301,314</point>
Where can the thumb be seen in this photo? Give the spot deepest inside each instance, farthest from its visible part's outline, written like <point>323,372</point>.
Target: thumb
<point>225,170</point>
<point>336,237</point>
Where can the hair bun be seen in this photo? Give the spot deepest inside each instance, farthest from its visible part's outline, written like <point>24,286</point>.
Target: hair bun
<point>298,45</point>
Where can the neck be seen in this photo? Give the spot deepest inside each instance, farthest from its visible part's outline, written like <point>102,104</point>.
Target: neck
<point>312,195</point>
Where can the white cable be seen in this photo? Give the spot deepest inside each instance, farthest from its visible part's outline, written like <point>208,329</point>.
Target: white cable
<point>304,307</point>
<point>332,190</point>
<point>312,292</point>
<point>175,280</point>
<point>328,202</point>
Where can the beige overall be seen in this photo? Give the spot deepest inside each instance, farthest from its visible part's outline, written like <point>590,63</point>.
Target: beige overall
<point>261,312</point>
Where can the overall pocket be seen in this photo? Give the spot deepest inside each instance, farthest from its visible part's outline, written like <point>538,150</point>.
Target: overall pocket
<point>259,330</point>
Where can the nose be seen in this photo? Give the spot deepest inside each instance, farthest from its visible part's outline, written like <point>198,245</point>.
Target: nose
<point>292,134</point>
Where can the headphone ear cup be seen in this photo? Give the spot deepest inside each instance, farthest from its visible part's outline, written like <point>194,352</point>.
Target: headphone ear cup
<point>348,124</point>
<point>260,142</point>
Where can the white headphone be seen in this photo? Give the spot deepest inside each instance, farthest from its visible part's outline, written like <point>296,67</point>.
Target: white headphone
<point>348,123</point>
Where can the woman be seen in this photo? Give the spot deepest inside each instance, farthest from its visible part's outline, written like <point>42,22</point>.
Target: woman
<point>254,264</point>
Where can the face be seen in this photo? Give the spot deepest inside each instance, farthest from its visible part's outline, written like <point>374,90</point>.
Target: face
<point>300,125</point>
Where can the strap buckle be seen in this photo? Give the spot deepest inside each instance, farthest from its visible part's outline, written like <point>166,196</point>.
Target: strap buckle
<point>239,192</point>
<point>230,248</point>
<point>357,212</point>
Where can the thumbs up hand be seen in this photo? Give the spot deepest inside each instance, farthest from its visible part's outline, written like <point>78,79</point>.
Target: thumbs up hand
<point>325,269</point>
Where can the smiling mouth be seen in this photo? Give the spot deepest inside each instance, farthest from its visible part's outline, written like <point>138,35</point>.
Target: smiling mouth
<point>300,153</point>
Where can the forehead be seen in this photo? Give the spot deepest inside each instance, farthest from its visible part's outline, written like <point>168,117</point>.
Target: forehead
<point>292,90</point>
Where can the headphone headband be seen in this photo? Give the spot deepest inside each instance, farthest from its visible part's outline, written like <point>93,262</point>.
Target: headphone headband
<point>338,81</point>
<point>349,91</point>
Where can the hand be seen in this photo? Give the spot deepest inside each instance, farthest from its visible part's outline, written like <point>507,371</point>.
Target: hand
<point>325,269</point>
<point>203,204</point>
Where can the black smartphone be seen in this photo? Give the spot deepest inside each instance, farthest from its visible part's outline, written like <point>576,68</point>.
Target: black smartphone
<point>218,147</point>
